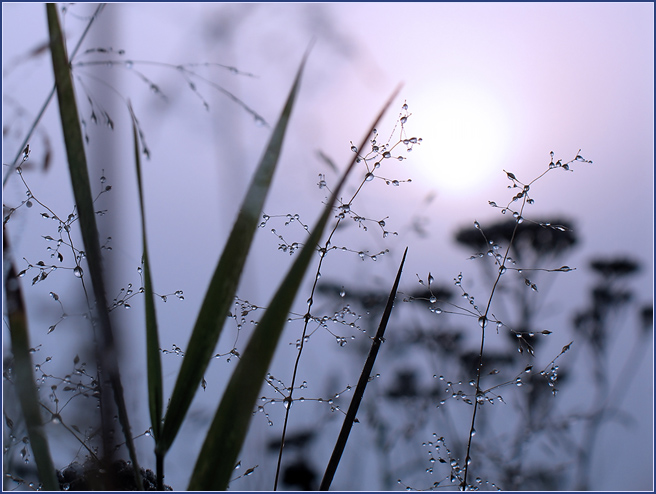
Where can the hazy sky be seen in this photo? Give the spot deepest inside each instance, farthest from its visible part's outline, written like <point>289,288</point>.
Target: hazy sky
<point>490,86</point>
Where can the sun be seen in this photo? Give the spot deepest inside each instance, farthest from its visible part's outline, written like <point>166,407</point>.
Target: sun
<point>465,135</point>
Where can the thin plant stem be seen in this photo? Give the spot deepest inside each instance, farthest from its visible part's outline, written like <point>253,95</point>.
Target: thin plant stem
<point>323,251</point>
<point>483,323</point>
<point>15,162</point>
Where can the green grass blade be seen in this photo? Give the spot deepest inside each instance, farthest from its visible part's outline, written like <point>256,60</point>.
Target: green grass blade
<point>362,384</point>
<point>224,440</point>
<point>223,285</point>
<point>28,396</point>
<point>153,357</point>
<point>77,164</point>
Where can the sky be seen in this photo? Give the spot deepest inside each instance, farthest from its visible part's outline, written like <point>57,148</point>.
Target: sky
<point>491,88</point>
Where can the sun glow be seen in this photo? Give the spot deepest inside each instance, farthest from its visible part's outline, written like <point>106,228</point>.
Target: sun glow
<point>465,135</point>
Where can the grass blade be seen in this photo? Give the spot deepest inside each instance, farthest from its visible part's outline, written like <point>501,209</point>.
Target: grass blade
<point>224,440</point>
<point>26,390</point>
<point>362,384</point>
<point>153,357</point>
<point>77,164</point>
<point>223,285</point>
<point>154,361</point>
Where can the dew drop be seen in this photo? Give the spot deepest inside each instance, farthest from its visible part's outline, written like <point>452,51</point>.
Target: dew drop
<point>77,271</point>
<point>369,177</point>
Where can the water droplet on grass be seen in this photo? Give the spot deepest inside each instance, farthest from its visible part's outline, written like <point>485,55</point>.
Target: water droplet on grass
<point>77,271</point>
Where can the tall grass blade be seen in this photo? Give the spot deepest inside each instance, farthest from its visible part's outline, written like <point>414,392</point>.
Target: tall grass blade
<point>154,361</point>
<point>77,164</point>
<point>225,438</point>
<point>223,285</point>
<point>153,358</point>
<point>26,390</point>
<point>362,384</point>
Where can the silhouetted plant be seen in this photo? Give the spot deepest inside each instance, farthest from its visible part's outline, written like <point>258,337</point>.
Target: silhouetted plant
<point>598,326</point>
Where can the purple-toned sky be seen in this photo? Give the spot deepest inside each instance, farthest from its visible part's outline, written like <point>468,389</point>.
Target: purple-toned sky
<point>490,87</point>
